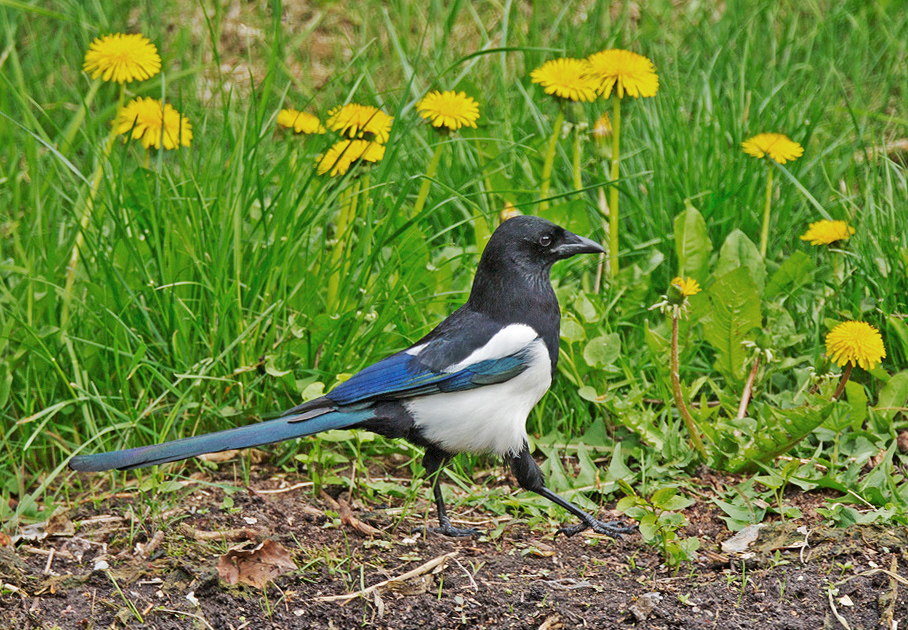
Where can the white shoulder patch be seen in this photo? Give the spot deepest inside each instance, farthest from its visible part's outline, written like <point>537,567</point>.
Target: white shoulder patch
<point>510,339</point>
<point>415,350</point>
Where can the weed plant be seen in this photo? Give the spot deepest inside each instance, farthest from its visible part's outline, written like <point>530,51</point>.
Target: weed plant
<point>200,299</point>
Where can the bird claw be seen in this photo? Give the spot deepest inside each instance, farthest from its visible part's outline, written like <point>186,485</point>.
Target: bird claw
<point>612,528</point>
<point>454,532</point>
<point>449,530</point>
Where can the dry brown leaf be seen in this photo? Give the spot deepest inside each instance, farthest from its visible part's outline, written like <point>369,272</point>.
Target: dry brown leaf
<point>255,567</point>
<point>347,518</point>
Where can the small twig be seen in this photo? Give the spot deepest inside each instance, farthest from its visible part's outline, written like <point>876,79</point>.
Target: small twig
<point>233,535</point>
<point>50,559</point>
<point>748,390</point>
<point>469,575</point>
<point>409,575</point>
<point>296,486</point>
<point>145,550</point>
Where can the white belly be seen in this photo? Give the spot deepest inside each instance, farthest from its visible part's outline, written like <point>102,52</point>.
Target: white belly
<point>488,419</point>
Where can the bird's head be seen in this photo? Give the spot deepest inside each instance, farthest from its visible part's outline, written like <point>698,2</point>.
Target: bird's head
<point>533,243</point>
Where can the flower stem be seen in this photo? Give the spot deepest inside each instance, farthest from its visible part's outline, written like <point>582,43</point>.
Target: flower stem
<point>549,161</point>
<point>764,233</point>
<point>748,390</point>
<point>845,376</point>
<point>613,201</point>
<point>578,175</point>
<point>600,266</point>
<point>427,180</point>
<point>344,218</point>
<point>86,215</point>
<point>676,391</point>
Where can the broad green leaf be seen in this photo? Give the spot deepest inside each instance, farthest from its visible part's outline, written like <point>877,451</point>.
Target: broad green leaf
<point>647,527</point>
<point>588,392</point>
<point>588,470</point>
<point>677,503</point>
<point>585,309</point>
<point>617,468</point>
<point>692,244</point>
<point>791,274</point>
<point>893,397</point>
<point>556,477</point>
<point>739,251</point>
<point>603,350</point>
<point>783,429</point>
<point>735,313</point>
<point>597,435</point>
<point>659,345</point>
<point>738,517</point>
<point>643,423</point>
<point>857,398</point>
<point>662,496</point>
<point>571,329</point>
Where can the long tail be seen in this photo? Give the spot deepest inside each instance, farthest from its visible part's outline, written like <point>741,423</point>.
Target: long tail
<point>284,428</point>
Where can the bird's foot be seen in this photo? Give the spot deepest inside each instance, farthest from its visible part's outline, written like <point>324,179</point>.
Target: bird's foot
<point>612,528</point>
<point>454,532</point>
<point>449,530</point>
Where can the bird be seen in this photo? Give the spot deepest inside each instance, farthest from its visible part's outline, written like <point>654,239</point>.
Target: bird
<point>467,386</point>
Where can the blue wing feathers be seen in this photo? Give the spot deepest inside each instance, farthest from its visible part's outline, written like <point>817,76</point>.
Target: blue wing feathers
<point>404,375</point>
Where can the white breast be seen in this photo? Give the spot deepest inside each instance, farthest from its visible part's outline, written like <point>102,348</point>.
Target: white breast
<point>492,418</point>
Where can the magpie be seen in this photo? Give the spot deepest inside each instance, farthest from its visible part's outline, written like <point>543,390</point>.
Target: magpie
<point>467,386</point>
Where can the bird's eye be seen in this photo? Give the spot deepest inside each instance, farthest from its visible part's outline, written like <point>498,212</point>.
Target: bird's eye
<point>545,240</point>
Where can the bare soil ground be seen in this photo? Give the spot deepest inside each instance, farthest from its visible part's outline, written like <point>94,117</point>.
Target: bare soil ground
<point>117,560</point>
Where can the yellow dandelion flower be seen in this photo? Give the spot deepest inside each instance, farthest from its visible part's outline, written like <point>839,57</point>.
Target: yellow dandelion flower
<point>508,212</point>
<point>566,78</point>
<point>827,232</point>
<point>300,122</point>
<point>122,58</point>
<point>857,342</point>
<point>360,121</point>
<point>147,120</point>
<point>687,286</point>
<point>626,71</point>
<point>777,146</point>
<point>342,155</point>
<point>602,128</point>
<point>452,110</point>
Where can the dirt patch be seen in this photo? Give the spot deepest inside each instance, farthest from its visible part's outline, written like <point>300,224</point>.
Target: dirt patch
<point>125,560</point>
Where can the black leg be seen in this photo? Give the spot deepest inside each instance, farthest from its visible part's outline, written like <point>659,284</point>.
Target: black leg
<point>530,477</point>
<point>433,462</point>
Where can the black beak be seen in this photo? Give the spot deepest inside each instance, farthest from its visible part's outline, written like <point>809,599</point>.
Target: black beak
<point>571,245</point>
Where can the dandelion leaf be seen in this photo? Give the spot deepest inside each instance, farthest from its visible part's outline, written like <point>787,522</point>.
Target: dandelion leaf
<point>692,244</point>
<point>739,251</point>
<point>783,429</point>
<point>893,396</point>
<point>791,274</point>
<point>735,314</point>
<point>602,351</point>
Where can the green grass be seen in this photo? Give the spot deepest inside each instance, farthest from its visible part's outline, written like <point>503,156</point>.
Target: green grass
<point>200,299</point>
